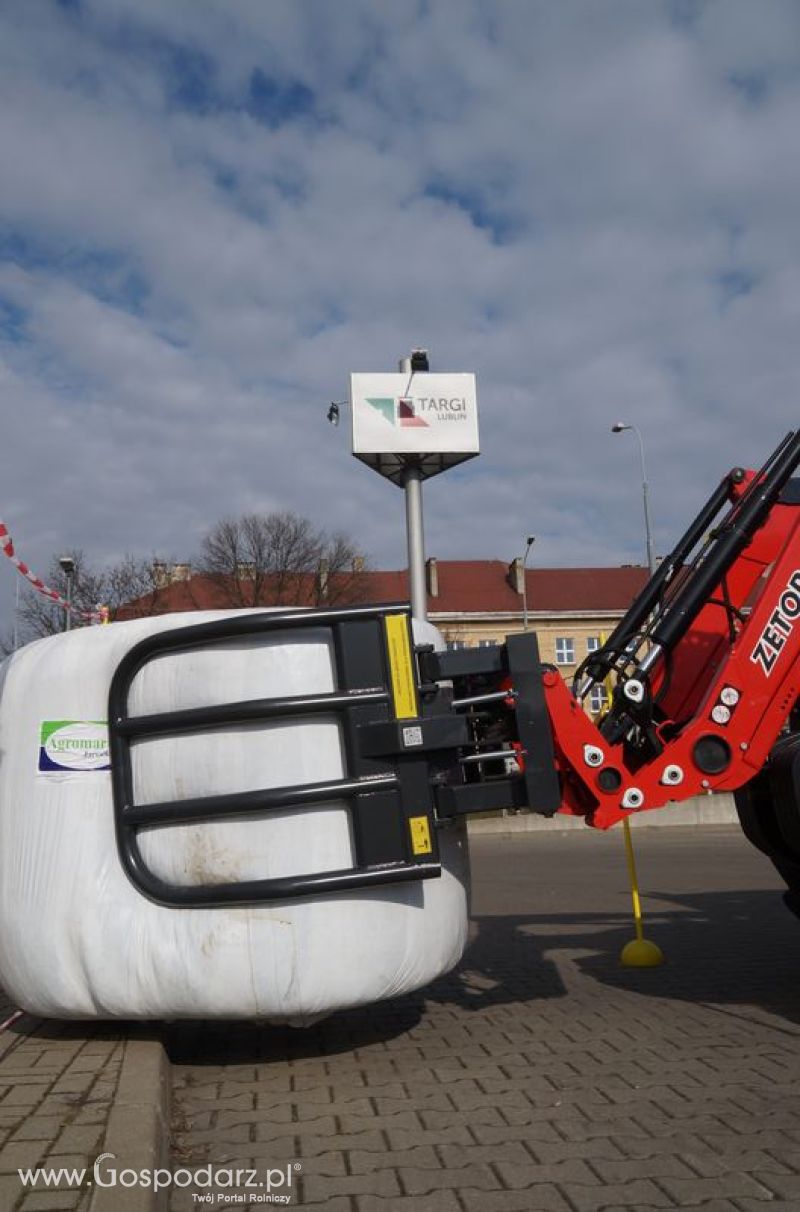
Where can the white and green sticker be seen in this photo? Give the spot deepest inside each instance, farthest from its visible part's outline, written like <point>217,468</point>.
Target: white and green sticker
<point>73,745</point>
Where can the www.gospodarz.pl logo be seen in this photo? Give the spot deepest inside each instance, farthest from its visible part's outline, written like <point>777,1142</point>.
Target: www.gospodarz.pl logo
<point>215,1185</point>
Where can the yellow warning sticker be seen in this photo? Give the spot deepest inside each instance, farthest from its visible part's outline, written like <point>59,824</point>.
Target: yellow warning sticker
<point>420,835</point>
<point>404,689</point>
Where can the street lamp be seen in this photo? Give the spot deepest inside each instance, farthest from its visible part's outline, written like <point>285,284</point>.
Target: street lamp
<point>620,427</point>
<point>531,539</point>
<point>67,565</point>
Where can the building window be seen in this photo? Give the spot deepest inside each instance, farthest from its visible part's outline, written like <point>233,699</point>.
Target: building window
<point>454,645</point>
<point>565,650</point>
<point>487,643</point>
<point>598,699</point>
<point>592,643</point>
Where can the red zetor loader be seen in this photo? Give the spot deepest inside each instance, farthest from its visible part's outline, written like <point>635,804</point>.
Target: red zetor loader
<point>704,671</point>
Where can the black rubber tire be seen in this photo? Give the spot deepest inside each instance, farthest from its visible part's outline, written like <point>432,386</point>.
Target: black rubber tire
<point>760,825</point>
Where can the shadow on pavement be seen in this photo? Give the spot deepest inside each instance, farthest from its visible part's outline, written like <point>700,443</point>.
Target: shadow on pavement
<point>236,1042</point>
<point>505,963</point>
<point>723,948</point>
<point>732,947</point>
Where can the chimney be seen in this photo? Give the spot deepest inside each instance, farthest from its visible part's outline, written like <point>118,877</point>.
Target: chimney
<point>322,578</point>
<point>160,574</point>
<point>516,576</point>
<point>432,577</point>
<point>245,570</point>
<point>181,572</point>
<point>358,563</point>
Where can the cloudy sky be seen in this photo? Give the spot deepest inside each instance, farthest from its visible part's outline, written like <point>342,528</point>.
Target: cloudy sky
<point>211,211</point>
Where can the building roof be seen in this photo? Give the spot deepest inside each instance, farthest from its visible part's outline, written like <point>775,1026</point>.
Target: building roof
<point>484,587</point>
<point>464,587</point>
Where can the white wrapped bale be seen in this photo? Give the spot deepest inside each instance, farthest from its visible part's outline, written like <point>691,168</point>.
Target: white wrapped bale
<point>78,940</point>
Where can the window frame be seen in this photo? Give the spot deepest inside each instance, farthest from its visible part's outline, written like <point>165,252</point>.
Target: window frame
<point>565,644</point>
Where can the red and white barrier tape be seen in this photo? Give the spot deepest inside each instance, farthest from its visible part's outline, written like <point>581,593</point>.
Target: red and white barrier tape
<point>12,1018</point>
<point>8,549</point>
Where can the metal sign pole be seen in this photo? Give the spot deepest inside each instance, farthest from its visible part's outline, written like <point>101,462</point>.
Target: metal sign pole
<point>415,536</point>
<point>415,530</point>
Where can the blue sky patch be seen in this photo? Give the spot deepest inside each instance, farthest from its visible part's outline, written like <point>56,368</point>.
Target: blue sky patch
<point>12,320</point>
<point>107,274</point>
<point>752,86</point>
<point>274,102</point>
<point>26,251</point>
<point>734,284</point>
<point>501,227</point>
<point>190,79</point>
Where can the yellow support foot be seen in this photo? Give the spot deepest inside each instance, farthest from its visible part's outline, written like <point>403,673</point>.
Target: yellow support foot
<point>641,953</point>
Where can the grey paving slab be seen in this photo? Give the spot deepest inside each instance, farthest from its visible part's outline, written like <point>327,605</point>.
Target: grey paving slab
<point>66,1095</point>
<point>57,1086</point>
<point>540,1074</point>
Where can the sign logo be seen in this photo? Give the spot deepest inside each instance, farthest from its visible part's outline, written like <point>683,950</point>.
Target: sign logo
<point>70,745</point>
<point>397,415</point>
<point>398,410</point>
<point>780,626</point>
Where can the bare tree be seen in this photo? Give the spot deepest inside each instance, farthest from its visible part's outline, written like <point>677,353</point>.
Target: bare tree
<point>134,583</point>
<point>40,616</point>
<point>280,559</point>
<point>130,583</point>
<point>275,559</point>
<point>344,565</point>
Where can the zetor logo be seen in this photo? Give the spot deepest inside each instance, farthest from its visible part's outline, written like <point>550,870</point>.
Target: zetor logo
<point>408,413</point>
<point>779,627</point>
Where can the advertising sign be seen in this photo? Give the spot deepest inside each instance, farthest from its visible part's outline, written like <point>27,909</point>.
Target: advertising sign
<point>71,745</point>
<point>427,420</point>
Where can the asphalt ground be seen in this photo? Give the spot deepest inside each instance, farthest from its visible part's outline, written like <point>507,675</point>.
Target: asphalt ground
<point>540,1074</point>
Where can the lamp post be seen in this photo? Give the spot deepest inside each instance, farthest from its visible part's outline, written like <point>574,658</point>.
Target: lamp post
<point>620,427</point>
<point>67,565</point>
<point>531,539</point>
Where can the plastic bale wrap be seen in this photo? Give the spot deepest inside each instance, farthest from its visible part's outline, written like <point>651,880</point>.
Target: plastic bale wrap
<point>78,940</point>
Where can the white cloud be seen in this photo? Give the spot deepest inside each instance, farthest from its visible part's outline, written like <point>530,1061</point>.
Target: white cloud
<point>594,206</point>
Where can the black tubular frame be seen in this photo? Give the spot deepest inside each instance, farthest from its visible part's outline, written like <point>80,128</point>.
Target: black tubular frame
<point>386,800</point>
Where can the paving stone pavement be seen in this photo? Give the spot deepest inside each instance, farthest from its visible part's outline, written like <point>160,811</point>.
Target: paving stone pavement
<point>57,1087</point>
<point>540,1074</point>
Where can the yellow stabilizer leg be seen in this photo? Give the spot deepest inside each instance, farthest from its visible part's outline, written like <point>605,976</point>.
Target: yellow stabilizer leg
<point>639,952</point>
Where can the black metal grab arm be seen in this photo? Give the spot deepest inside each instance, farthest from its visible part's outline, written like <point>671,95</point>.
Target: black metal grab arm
<point>382,798</point>
<point>426,737</point>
